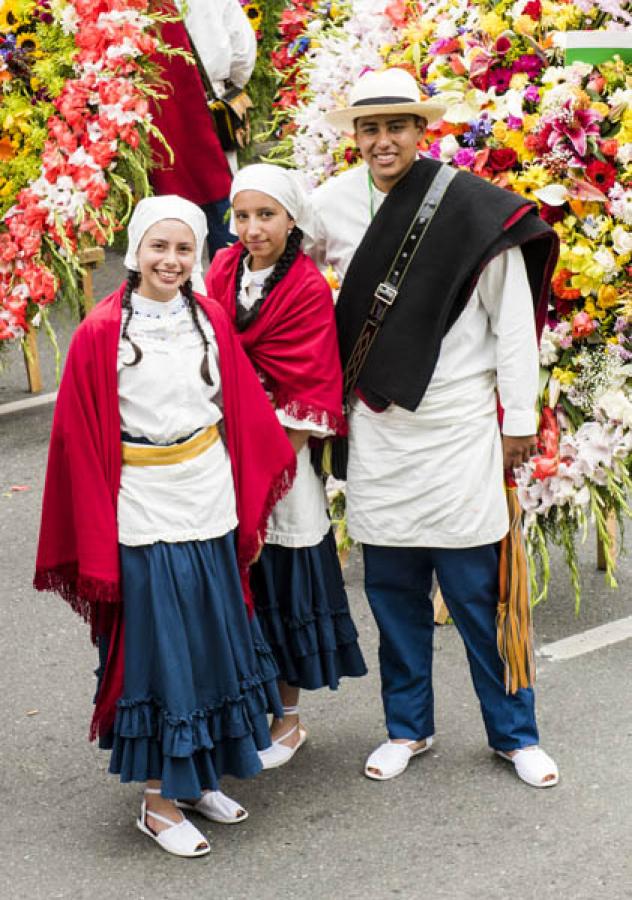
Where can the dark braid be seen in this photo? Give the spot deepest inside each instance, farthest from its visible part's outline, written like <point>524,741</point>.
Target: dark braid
<point>187,291</point>
<point>245,317</point>
<point>133,280</point>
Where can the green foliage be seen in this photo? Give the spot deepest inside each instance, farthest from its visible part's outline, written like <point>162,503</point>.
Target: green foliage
<point>263,85</point>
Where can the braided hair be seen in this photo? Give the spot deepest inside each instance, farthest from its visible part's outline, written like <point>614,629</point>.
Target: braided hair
<point>245,317</point>
<point>192,305</point>
<point>133,281</point>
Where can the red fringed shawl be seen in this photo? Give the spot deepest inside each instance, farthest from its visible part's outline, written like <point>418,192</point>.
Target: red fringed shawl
<point>77,554</point>
<point>293,339</point>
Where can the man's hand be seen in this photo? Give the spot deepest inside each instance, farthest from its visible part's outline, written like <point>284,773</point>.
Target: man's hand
<point>517,450</point>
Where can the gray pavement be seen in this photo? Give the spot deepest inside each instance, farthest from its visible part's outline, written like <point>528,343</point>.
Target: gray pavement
<point>457,825</point>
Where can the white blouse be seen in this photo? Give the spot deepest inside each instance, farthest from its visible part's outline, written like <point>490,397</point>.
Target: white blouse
<point>163,398</point>
<point>300,518</point>
<point>434,477</point>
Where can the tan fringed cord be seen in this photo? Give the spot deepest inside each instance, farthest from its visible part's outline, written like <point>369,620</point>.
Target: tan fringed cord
<point>514,629</point>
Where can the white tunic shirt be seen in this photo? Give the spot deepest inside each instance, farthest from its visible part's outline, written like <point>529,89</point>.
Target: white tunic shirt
<point>164,399</point>
<point>434,477</point>
<point>300,518</point>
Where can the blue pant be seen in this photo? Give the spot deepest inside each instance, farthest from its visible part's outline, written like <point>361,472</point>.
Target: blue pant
<point>398,582</point>
<point>218,220</point>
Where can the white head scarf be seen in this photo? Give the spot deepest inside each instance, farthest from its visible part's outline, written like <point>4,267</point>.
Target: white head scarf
<point>169,206</point>
<point>283,185</point>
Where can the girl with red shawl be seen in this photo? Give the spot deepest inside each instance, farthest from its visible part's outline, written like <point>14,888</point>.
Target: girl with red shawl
<point>283,311</point>
<point>157,492</point>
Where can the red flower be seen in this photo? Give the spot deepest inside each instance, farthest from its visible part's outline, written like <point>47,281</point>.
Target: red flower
<point>397,12</point>
<point>502,45</point>
<point>502,159</point>
<point>552,214</point>
<point>8,250</point>
<point>533,9</point>
<point>603,175</point>
<point>561,288</point>
<point>609,147</point>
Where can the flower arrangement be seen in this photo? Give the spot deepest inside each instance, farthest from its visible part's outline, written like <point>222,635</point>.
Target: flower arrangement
<point>74,154</point>
<point>560,135</point>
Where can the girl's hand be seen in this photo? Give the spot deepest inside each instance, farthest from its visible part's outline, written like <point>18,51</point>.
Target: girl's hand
<point>255,558</point>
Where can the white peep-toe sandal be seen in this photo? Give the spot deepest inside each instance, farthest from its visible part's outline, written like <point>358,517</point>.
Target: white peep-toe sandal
<point>533,765</point>
<point>279,754</point>
<point>181,839</point>
<point>217,807</point>
<point>392,759</point>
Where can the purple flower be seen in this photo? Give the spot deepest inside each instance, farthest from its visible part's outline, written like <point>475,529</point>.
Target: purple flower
<point>478,130</point>
<point>620,325</point>
<point>532,94</point>
<point>464,158</point>
<point>513,123</point>
<point>529,63</point>
<point>434,150</point>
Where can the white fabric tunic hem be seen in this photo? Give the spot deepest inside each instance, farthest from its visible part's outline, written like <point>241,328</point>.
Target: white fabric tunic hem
<point>178,537</point>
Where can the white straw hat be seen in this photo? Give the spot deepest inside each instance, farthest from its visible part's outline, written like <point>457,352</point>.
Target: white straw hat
<point>380,93</point>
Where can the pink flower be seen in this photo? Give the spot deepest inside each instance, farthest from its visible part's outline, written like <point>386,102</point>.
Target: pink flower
<point>464,158</point>
<point>575,126</point>
<point>583,325</point>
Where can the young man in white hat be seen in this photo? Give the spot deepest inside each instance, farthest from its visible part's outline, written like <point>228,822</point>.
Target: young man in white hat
<point>451,329</point>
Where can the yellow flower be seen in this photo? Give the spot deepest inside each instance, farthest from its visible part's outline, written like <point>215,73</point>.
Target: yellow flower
<point>601,108</point>
<point>493,24</point>
<point>592,310</point>
<point>564,376</point>
<point>529,122</point>
<point>500,130</point>
<point>254,14</point>
<point>607,296</point>
<point>29,42</point>
<point>525,25</point>
<point>518,81</point>
<point>585,283</point>
<point>529,180</point>
<point>625,134</point>
<point>515,140</point>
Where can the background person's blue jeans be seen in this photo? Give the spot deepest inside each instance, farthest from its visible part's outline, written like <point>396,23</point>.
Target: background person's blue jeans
<point>398,581</point>
<point>217,218</point>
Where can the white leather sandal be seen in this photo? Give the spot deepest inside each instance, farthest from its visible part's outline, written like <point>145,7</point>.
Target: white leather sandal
<point>217,807</point>
<point>533,765</point>
<point>391,759</point>
<point>279,754</point>
<point>181,839</point>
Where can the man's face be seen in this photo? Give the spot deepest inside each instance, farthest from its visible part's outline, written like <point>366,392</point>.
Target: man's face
<point>388,145</point>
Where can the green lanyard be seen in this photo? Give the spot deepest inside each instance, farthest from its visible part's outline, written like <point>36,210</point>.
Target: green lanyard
<point>371,195</point>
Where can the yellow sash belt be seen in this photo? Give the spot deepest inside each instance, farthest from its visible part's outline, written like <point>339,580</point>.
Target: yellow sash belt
<point>152,455</point>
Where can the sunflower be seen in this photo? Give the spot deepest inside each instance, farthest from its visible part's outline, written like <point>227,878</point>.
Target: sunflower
<point>28,42</point>
<point>254,14</point>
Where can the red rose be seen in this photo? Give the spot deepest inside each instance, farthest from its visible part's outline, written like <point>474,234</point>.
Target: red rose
<point>502,159</point>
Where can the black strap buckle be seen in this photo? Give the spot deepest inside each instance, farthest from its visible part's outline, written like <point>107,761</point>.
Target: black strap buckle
<point>386,293</point>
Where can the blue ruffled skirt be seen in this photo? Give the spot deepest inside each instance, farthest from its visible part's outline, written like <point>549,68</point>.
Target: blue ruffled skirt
<point>199,676</point>
<point>303,609</point>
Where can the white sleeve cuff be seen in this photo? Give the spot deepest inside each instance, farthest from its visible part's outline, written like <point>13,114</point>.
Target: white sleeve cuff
<point>519,422</point>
